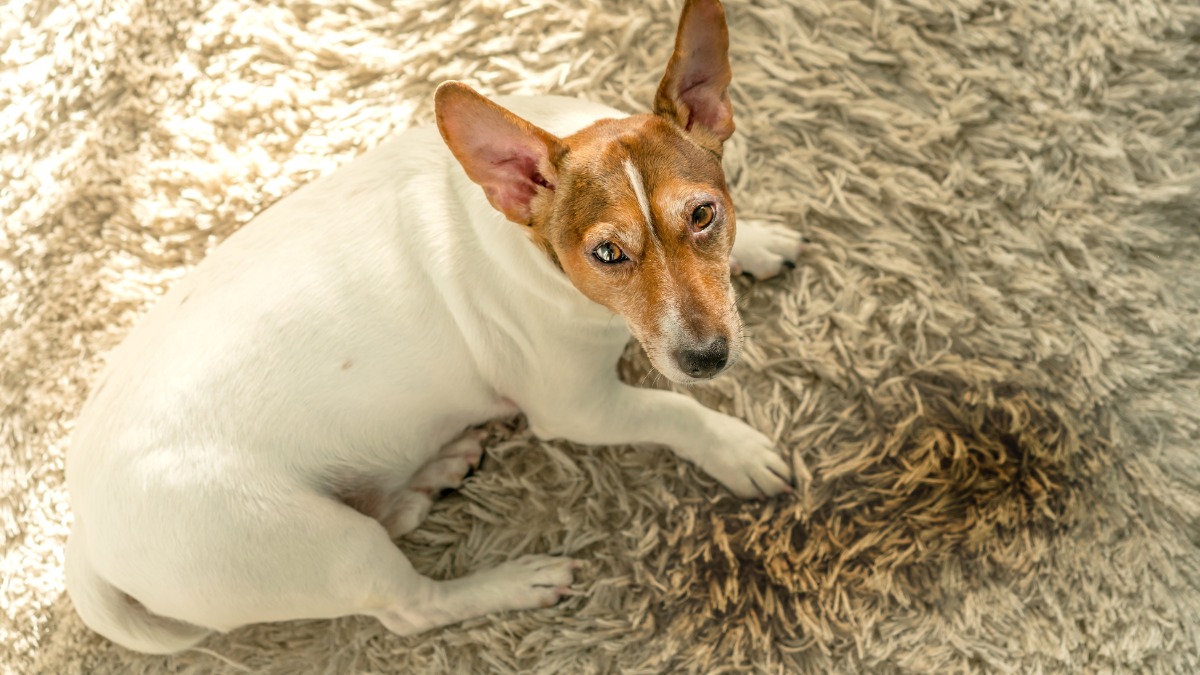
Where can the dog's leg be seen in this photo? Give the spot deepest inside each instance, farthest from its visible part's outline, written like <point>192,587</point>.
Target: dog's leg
<point>322,559</point>
<point>525,583</point>
<point>446,471</point>
<point>408,603</point>
<point>763,249</point>
<point>409,509</point>
<point>603,411</point>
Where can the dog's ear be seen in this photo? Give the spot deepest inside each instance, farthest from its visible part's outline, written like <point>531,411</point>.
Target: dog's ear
<point>694,91</point>
<point>508,157</point>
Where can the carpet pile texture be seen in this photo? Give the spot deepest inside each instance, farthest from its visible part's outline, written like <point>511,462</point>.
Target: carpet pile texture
<point>988,360</point>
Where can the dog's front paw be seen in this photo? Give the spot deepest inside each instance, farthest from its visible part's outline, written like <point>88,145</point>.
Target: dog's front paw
<point>745,461</point>
<point>763,249</point>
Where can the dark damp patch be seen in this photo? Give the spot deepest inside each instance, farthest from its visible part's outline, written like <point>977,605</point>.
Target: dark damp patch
<point>928,475</point>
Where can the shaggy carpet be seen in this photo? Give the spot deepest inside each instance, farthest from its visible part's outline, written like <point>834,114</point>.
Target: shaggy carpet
<point>988,360</point>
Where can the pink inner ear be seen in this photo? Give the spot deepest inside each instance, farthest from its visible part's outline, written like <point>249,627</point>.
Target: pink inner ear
<point>501,152</point>
<point>511,178</point>
<point>704,70</point>
<point>707,106</point>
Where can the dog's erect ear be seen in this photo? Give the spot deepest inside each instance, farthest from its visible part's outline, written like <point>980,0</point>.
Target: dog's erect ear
<point>508,157</point>
<point>694,91</point>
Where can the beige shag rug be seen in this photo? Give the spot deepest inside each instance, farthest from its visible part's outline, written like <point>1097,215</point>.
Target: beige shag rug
<point>989,359</point>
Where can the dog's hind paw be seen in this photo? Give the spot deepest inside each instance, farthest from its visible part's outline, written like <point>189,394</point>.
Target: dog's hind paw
<point>527,582</point>
<point>454,462</point>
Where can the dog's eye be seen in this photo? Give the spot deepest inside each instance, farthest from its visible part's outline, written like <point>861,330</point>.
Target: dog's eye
<point>609,253</point>
<point>702,217</point>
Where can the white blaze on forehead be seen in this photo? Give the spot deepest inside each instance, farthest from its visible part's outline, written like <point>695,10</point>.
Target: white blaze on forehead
<point>639,188</point>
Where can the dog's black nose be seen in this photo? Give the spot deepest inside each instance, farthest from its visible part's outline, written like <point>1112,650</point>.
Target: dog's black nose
<point>705,361</point>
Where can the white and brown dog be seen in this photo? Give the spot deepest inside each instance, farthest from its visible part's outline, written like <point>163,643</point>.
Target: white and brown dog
<point>292,405</point>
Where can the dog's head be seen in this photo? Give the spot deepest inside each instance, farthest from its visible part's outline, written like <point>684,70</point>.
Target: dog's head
<point>634,211</point>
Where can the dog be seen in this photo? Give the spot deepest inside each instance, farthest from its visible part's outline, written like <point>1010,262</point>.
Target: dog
<point>296,402</point>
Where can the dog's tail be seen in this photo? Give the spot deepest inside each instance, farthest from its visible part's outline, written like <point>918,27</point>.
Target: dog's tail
<point>117,616</point>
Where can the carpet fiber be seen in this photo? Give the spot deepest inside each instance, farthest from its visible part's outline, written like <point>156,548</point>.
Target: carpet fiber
<point>988,360</point>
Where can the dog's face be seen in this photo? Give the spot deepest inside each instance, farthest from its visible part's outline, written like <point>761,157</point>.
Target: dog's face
<point>634,211</point>
<point>642,223</point>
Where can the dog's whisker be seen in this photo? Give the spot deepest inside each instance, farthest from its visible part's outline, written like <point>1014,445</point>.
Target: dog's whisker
<point>646,376</point>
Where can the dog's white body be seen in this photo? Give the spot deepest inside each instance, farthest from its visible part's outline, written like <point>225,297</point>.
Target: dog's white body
<point>346,334</point>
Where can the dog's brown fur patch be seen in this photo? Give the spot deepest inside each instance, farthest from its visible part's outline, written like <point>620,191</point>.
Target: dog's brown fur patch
<point>670,263</point>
